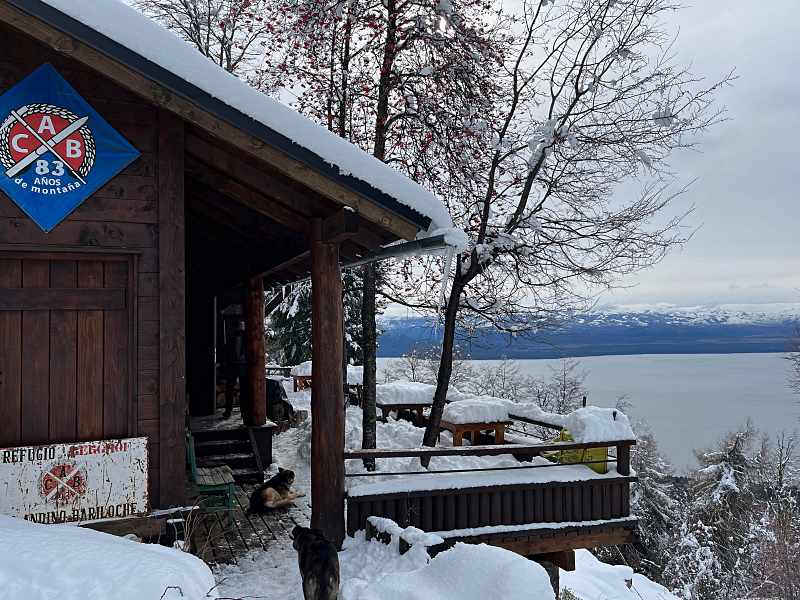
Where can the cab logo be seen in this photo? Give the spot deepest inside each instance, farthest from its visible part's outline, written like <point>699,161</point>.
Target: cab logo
<point>47,149</point>
<point>56,150</point>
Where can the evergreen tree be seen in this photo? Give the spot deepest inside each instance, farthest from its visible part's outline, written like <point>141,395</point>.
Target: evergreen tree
<point>289,331</point>
<point>652,501</point>
<point>716,547</point>
<point>693,571</point>
<point>353,328</point>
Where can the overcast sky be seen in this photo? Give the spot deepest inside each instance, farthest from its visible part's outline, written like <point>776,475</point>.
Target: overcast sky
<point>747,248</point>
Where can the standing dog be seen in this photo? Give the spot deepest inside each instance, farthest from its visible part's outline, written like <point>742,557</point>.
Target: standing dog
<point>319,564</point>
<point>275,493</point>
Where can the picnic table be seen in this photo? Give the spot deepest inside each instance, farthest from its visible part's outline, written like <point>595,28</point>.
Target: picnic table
<point>469,417</point>
<point>472,431</point>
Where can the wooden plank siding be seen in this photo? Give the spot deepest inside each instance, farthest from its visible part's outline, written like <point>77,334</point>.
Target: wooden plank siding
<point>114,241</point>
<point>519,504</point>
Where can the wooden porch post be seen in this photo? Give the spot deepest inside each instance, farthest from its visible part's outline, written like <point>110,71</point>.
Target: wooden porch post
<point>327,397</point>
<point>254,410</point>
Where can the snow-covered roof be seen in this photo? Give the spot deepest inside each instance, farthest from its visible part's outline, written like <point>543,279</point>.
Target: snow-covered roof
<point>265,117</point>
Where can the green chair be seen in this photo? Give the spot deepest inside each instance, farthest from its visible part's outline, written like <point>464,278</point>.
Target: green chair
<point>213,482</point>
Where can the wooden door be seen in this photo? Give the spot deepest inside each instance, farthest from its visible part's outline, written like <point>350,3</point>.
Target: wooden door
<point>66,347</point>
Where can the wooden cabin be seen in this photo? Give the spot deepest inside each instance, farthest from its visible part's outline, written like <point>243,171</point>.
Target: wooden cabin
<point>108,316</point>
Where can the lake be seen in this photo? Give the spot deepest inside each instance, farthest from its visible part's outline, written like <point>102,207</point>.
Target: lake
<point>689,400</point>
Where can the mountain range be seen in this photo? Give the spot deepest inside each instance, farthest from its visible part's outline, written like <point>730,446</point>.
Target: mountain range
<point>626,329</point>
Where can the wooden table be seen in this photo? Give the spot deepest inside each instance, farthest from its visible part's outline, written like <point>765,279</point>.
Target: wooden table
<point>417,408</point>
<point>459,430</point>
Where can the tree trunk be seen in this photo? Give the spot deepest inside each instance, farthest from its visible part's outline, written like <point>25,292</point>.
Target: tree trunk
<point>445,367</point>
<point>369,277</point>
<point>369,345</point>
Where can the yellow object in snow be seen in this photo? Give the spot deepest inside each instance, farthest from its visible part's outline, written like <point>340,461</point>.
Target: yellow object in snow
<point>596,457</point>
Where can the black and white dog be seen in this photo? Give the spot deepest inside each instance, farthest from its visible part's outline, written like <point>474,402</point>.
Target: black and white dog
<point>319,564</point>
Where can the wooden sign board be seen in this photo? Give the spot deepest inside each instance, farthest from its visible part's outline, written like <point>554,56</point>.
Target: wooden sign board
<point>75,483</point>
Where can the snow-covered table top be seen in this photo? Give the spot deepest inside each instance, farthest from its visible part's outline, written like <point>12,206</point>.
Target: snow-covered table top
<point>475,410</point>
<point>407,393</point>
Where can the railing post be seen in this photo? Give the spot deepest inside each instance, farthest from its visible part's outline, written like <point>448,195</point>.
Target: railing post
<point>624,459</point>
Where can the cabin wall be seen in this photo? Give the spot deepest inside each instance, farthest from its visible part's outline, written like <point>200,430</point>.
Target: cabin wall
<point>138,214</point>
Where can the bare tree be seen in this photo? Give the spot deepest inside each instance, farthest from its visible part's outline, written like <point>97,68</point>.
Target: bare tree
<point>232,33</point>
<point>586,96</point>
<point>390,76</point>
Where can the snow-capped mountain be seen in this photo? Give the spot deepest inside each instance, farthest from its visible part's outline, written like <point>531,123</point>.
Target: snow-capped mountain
<point>624,329</point>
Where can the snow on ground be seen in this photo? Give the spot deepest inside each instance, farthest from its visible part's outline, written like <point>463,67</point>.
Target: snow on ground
<point>131,29</point>
<point>273,574</point>
<point>595,580</point>
<point>476,410</point>
<point>465,572</point>
<point>375,571</point>
<point>41,562</point>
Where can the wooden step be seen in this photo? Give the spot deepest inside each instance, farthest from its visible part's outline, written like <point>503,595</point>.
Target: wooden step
<point>214,447</point>
<point>235,460</point>
<point>207,435</point>
<point>248,476</point>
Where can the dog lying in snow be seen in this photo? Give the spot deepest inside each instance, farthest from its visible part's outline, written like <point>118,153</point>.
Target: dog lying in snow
<point>274,493</point>
<point>319,564</point>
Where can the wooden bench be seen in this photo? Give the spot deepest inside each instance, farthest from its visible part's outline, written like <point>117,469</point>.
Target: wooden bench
<point>216,482</point>
<point>387,408</point>
<point>473,430</point>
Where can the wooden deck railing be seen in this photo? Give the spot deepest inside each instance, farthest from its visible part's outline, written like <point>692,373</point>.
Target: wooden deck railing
<point>528,505</point>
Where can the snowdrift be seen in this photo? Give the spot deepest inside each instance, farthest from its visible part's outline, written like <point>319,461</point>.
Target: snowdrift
<point>466,572</point>
<point>42,562</point>
<point>595,580</point>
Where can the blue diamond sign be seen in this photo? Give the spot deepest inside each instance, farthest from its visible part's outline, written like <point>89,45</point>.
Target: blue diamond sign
<point>55,149</point>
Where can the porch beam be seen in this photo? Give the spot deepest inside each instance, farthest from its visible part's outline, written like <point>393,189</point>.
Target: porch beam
<point>254,411</point>
<point>327,396</point>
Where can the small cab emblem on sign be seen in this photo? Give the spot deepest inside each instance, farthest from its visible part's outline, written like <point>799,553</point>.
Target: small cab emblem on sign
<point>55,149</point>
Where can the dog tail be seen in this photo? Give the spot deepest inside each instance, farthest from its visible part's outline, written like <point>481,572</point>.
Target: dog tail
<point>330,589</point>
